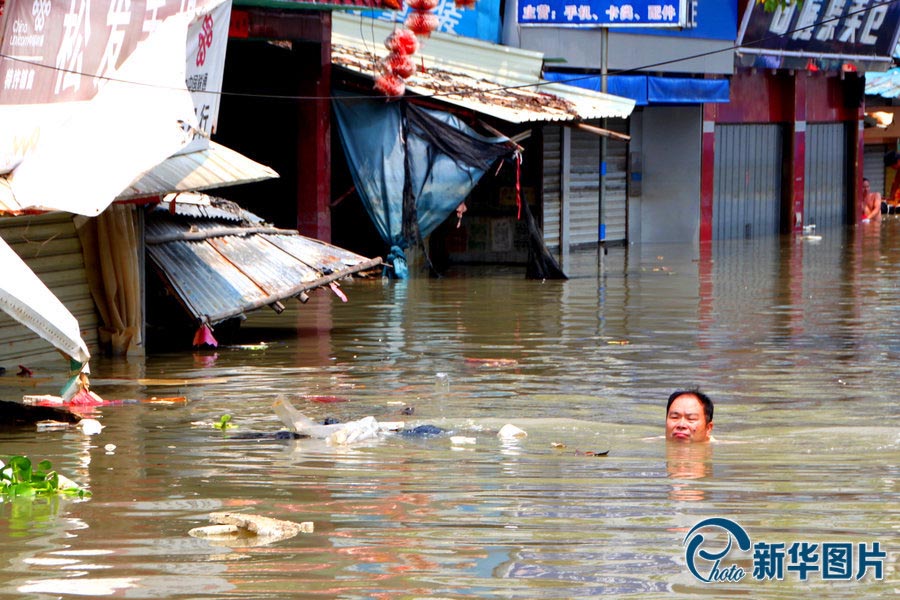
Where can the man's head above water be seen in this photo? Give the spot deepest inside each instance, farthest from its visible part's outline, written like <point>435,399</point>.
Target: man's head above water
<point>689,417</point>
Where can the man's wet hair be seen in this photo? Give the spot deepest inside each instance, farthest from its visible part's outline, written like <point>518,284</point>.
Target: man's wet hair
<point>705,400</point>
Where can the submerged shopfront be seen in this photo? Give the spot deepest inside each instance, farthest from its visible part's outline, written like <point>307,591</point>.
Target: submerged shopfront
<point>496,94</point>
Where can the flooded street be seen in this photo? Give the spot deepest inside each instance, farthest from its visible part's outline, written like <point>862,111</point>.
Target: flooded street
<point>796,340</point>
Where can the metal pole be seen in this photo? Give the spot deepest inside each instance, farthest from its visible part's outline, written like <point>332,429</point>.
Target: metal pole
<point>604,66</point>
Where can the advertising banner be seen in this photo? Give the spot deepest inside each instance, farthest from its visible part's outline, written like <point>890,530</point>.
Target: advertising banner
<point>56,55</point>
<point>480,22</point>
<point>603,13</point>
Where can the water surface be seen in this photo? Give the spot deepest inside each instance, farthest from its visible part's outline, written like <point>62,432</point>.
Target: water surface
<point>795,339</point>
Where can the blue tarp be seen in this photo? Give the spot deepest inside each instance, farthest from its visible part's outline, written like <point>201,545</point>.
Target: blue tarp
<point>650,89</point>
<point>443,157</point>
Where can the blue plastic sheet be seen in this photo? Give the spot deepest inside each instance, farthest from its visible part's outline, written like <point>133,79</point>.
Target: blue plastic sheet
<point>378,140</point>
<point>649,89</point>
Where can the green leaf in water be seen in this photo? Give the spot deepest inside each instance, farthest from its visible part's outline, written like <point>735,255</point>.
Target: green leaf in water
<point>224,423</point>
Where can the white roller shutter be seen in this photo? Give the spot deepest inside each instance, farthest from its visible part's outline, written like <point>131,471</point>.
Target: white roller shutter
<point>552,172</point>
<point>615,185</point>
<point>50,246</point>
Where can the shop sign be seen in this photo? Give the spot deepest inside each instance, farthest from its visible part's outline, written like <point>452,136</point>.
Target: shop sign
<point>850,29</point>
<point>603,13</point>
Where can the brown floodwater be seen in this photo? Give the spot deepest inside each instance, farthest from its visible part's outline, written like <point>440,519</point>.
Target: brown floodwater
<point>795,339</point>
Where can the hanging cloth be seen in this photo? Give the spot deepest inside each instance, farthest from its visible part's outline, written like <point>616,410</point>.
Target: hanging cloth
<point>411,166</point>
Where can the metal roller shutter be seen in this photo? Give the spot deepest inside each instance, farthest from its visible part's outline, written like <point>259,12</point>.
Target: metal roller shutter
<point>747,188</point>
<point>873,167</point>
<point>50,246</point>
<point>584,191</point>
<point>615,185</point>
<point>825,187</point>
<point>552,172</point>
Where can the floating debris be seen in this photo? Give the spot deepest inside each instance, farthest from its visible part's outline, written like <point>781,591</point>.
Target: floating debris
<point>460,440</point>
<point>591,453</point>
<point>510,432</point>
<point>90,426</point>
<point>492,362</point>
<point>240,529</point>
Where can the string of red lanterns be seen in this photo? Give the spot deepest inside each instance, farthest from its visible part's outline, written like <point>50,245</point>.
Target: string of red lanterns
<point>398,66</point>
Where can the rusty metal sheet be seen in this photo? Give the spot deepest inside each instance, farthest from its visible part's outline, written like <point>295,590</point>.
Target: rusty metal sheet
<point>219,269</point>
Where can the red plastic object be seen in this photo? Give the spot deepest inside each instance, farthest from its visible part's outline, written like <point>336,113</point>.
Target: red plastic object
<point>402,41</point>
<point>422,4</point>
<point>422,23</point>
<point>390,85</point>
<point>399,64</point>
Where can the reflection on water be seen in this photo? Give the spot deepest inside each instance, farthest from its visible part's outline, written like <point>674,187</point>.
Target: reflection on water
<point>795,340</point>
<point>688,462</point>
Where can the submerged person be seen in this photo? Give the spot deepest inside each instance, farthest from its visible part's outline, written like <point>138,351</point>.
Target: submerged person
<point>870,209</point>
<point>689,417</point>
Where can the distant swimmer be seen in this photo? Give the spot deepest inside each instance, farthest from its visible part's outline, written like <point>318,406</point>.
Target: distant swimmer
<point>689,417</point>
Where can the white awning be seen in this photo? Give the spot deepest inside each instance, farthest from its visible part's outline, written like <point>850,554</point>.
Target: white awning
<point>26,299</point>
<point>491,79</point>
<point>217,166</point>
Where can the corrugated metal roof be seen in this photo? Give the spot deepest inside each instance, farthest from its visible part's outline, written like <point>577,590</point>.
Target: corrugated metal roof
<point>218,166</point>
<point>220,270</point>
<point>886,85</point>
<point>495,80</point>
<point>201,206</point>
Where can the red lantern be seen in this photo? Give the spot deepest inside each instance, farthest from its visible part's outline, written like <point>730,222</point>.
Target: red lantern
<point>399,64</point>
<point>464,3</point>
<point>390,85</point>
<point>422,23</point>
<point>402,41</point>
<point>422,4</point>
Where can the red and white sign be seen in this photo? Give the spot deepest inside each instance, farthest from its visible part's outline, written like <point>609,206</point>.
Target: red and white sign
<point>56,52</point>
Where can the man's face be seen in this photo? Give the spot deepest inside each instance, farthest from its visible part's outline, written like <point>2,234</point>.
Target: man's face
<point>686,421</point>
<point>866,187</point>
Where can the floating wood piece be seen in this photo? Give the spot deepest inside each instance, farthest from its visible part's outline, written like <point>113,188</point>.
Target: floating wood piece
<point>16,414</point>
<point>241,529</point>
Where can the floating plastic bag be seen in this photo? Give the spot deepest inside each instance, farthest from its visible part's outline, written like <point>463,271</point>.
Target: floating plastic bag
<point>338,434</point>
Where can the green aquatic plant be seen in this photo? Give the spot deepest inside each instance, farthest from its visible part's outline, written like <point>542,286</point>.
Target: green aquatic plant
<point>224,423</point>
<point>19,479</point>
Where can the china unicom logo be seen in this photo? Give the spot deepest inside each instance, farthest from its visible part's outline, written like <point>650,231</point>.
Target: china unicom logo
<point>40,10</point>
<point>713,545</point>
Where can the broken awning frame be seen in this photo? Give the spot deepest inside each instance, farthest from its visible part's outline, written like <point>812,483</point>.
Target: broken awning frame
<point>220,270</point>
<point>490,79</point>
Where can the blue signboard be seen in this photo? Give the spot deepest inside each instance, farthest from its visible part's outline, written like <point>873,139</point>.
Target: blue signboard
<point>481,22</point>
<point>603,13</point>
<point>707,19</point>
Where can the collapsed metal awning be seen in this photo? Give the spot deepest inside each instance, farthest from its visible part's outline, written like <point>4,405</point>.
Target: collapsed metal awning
<point>222,261</point>
<point>491,79</point>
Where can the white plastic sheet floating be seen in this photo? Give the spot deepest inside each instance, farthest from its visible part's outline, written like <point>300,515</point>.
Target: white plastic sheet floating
<point>460,440</point>
<point>90,426</point>
<point>510,432</point>
<point>337,434</point>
